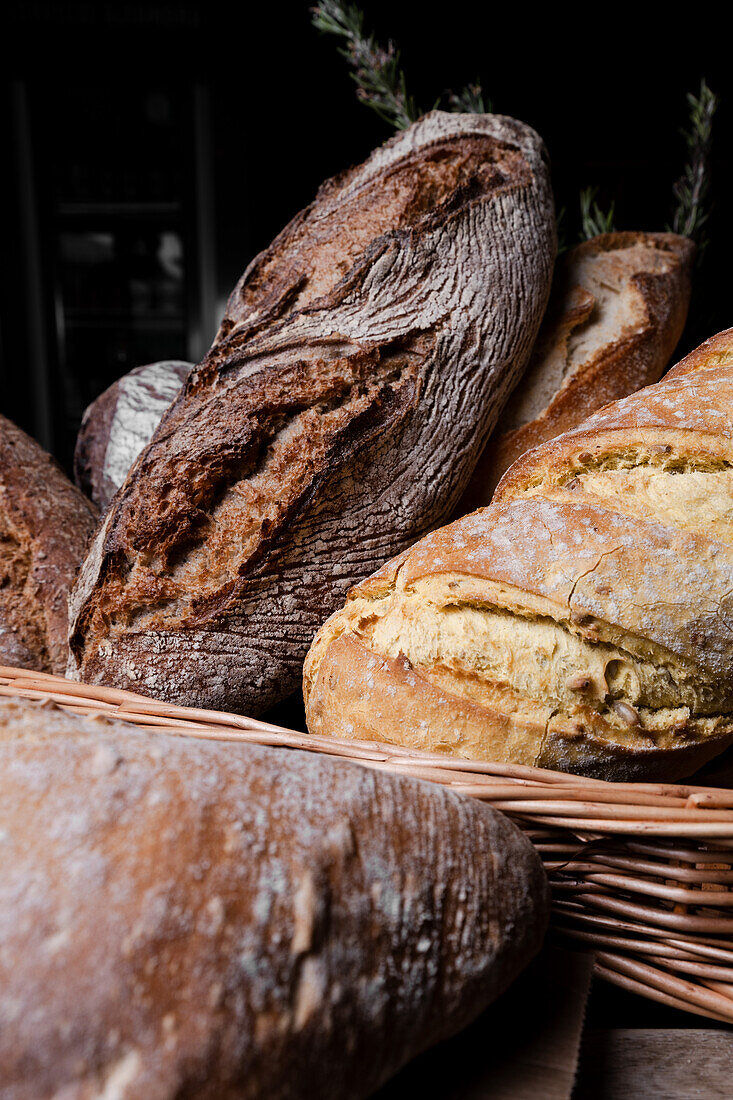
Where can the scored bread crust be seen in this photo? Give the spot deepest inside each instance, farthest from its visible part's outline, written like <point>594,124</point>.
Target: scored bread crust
<point>617,310</point>
<point>45,527</point>
<point>583,621</point>
<point>185,918</point>
<point>335,420</point>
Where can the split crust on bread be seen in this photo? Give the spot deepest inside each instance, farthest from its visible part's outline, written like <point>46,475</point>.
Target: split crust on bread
<point>336,419</point>
<point>617,310</point>
<point>583,621</point>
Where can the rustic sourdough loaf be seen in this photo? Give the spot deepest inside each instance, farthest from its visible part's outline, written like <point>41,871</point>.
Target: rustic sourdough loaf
<point>45,526</point>
<point>336,418</point>
<point>583,621</point>
<point>119,425</point>
<point>617,310</point>
<point>184,918</point>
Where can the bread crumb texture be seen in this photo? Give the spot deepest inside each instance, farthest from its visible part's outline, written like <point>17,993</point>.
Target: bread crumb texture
<point>186,918</point>
<point>583,621</point>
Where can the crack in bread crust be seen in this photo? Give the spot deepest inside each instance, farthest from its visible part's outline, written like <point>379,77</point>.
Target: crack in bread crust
<point>583,621</point>
<point>186,569</point>
<point>335,420</point>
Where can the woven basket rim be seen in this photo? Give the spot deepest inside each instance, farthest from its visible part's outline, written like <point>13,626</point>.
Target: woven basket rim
<point>641,873</point>
<point>652,809</point>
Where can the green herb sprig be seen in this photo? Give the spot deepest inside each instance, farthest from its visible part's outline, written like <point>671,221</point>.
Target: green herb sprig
<point>593,220</point>
<point>382,86</point>
<point>470,100</point>
<point>380,82</point>
<point>691,190</point>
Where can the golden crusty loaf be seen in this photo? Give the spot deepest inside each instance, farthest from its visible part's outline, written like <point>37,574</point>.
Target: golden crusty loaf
<point>583,621</point>
<point>45,526</point>
<point>618,307</point>
<point>184,918</point>
<point>362,362</point>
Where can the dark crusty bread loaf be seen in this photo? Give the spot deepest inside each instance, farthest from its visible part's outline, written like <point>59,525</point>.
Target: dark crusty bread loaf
<point>336,419</point>
<point>120,423</point>
<point>184,918</point>
<point>617,310</point>
<point>45,526</point>
<point>583,621</point>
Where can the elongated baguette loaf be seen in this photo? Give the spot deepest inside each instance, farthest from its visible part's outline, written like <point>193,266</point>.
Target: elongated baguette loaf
<point>45,527</point>
<point>583,621</point>
<point>618,307</point>
<point>183,918</point>
<point>336,419</point>
<point>120,424</point>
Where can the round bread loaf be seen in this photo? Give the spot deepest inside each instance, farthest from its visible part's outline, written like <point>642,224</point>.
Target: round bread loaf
<point>185,918</point>
<point>45,526</point>
<point>120,423</point>
<point>584,621</point>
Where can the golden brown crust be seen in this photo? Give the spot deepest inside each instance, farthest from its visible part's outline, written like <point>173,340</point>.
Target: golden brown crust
<point>583,621</point>
<point>45,527</point>
<point>589,351</point>
<point>357,693</point>
<point>185,918</point>
<point>690,412</point>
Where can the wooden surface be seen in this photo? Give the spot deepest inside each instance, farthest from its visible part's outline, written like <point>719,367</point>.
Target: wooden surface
<point>523,1047</point>
<point>655,1064</point>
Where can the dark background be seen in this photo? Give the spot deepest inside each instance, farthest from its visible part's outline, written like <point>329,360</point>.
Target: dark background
<point>154,148</point>
<point>151,149</point>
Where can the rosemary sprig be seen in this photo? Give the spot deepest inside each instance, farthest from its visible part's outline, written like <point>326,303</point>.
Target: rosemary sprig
<point>593,220</point>
<point>470,100</point>
<point>380,83</point>
<point>692,188</point>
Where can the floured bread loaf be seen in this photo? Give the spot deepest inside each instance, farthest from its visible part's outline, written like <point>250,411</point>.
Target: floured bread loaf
<point>184,918</point>
<point>583,621</point>
<point>618,307</point>
<point>335,420</point>
<point>45,527</point>
<point>120,424</point>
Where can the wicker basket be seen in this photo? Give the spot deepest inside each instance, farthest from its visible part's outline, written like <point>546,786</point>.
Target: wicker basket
<point>641,873</point>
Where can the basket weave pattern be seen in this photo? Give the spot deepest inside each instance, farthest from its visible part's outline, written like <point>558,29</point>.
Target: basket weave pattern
<point>641,873</point>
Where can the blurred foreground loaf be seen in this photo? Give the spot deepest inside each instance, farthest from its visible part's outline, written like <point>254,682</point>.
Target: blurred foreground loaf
<point>584,621</point>
<point>618,307</point>
<point>185,918</point>
<point>45,527</point>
